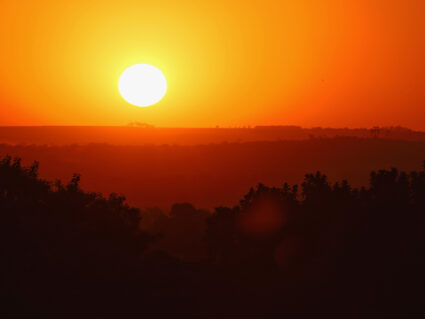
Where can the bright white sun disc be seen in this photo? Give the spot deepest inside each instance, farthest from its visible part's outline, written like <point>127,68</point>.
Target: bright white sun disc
<point>142,85</point>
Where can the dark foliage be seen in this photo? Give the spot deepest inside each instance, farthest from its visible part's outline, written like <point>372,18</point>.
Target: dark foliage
<point>351,252</point>
<point>56,239</point>
<point>180,232</point>
<point>321,249</point>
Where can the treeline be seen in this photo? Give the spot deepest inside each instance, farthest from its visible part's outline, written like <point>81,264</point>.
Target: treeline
<point>218,174</point>
<point>297,250</point>
<point>142,134</point>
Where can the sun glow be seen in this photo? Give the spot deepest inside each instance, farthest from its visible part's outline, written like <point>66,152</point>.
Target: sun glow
<point>142,85</point>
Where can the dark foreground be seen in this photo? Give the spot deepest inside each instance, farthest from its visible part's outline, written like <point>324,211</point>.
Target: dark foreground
<point>317,250</point>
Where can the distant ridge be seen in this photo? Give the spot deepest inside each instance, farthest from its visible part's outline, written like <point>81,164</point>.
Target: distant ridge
<point>142,135</point>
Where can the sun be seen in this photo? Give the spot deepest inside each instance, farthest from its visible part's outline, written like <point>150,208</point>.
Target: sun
<point>142,85</point>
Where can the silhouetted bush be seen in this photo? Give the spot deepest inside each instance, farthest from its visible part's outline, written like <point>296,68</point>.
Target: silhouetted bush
<point>179,232</point>
<point>320,248</point>
<point>54,236</point>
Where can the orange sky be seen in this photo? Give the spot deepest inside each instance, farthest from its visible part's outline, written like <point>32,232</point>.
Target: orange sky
<point>229,63</point>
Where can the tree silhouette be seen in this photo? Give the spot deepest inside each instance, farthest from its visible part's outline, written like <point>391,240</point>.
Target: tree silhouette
<point>322,247</point>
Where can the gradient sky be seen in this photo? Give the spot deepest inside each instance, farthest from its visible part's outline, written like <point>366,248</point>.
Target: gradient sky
<point>229,63</point>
